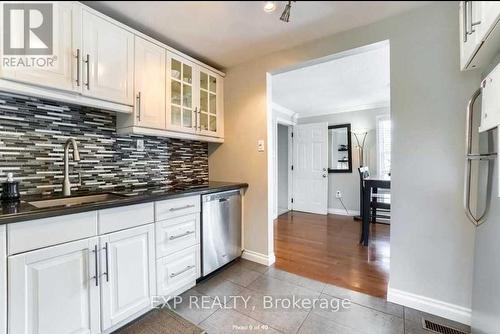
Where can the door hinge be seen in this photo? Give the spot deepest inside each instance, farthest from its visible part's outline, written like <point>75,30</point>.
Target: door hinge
<point>292,167</point>
<point>292,134</point>
<point>292,199</point>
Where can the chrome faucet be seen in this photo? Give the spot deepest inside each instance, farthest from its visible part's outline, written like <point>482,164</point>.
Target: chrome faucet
<point>76,157</point>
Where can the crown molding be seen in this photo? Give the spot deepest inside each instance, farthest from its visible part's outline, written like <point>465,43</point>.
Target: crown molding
<point>284,110</point>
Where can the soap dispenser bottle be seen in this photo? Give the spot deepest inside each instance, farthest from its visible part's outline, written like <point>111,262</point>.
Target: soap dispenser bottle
<point>10,189</point>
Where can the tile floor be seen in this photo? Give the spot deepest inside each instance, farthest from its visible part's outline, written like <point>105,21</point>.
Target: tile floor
<point>364,313</point>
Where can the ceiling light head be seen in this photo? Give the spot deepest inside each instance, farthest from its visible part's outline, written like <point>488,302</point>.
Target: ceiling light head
<point>285,16</point>
<point>270,6</point>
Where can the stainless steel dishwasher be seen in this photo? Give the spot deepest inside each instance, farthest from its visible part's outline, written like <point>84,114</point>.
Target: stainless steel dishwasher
<point>221,229</point>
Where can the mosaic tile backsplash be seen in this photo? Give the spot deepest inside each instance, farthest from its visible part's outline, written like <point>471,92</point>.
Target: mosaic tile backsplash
<point>32,137</point>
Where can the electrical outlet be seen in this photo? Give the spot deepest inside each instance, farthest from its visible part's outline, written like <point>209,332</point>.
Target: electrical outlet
<point>338,194</point>
<point>140,145</point>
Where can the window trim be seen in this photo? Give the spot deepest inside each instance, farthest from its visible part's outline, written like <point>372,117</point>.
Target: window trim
<point>379,118</point>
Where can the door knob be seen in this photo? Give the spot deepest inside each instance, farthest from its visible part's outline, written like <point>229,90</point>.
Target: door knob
<point>324,175</point>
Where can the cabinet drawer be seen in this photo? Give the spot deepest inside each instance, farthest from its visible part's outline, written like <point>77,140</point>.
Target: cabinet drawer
<point>178,272</point>
<point>124,217</point>
<point>177,207</point>
<point>175,234</point>
<point>39,233</point>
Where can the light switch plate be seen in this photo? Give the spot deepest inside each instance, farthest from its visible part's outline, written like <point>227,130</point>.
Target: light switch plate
<point>140,145</point>
<point>260,145</point>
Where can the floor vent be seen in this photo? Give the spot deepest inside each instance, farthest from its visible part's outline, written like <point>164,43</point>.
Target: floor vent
<point>440,329</point>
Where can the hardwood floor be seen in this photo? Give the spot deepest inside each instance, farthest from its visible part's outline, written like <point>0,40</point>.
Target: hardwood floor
<point>326,248</point>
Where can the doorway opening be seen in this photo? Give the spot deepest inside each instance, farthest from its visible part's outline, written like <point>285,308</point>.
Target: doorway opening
<point>330,166</point>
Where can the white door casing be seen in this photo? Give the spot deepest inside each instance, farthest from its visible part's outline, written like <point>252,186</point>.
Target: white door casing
<point>54,291</point>
<point>127,273</point>
<point>310,168</point>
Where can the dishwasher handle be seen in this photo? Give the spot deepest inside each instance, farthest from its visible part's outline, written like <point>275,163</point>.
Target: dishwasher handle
<point>221,196</point>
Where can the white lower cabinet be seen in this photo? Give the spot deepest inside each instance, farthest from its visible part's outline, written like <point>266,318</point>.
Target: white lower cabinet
<point>177,233</point>
<point>127,273</point>
<point>54,290</point>
<point>3,279</point>
<point>86,286</point>
<point>101,281</point>
<point>178,272</point>
<point>177,245</point>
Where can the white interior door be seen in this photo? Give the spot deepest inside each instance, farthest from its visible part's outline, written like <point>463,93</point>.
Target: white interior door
<point>128,273</point>
<point>310,168</point>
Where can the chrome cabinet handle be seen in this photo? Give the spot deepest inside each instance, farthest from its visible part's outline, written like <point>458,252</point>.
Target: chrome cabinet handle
<point>96,276</point>
<point>182,207</point>
<point>107,262</point>
<point>173,237</point>
<point>78,67</point>
<point>464,19</point>
<point>87,61</point>
<point>468,19</point>
<point>199,123</point>
<point>138,98</point>
<point>181,272</point>
<point>196,118</point>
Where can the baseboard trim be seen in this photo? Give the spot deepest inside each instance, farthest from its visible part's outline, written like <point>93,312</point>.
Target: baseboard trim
<point>342,212</point>
<point>429,305</point>
<point>266,260</point>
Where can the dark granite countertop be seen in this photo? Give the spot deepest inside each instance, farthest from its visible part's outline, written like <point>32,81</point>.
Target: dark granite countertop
<point>22,210</point>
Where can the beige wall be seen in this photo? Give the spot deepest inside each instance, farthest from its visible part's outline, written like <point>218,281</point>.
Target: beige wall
<point>432,242</point>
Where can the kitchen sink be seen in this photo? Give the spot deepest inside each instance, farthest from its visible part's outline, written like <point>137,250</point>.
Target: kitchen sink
<point>69,201</point>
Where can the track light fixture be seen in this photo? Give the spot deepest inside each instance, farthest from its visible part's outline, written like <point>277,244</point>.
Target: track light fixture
<point>285,16</point>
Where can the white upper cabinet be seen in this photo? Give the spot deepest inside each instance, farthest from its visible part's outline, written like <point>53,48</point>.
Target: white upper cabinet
<point>150,80</point>
<point>469,20</point>
<point>63,72</point>
<point>54,290</point>
<point>195,96</point>
<point>489,16</point>
<point>128,273</point>
<point>99,62</point>
<point>479,34</point>
<point>210,107</point>
<point>181,110</point>
<point>108,60</point>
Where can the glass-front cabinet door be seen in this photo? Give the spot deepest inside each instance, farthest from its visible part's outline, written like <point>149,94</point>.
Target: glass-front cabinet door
<point>181,109</point>
<point>210,99</point>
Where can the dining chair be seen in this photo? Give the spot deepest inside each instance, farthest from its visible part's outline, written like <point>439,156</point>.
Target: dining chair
<point>380,203</point>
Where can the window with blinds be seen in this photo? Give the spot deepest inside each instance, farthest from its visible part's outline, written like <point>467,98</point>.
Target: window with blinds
<point>384,145</point>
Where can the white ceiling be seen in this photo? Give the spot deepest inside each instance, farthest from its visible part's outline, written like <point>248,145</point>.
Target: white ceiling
<point>226,33</point>
<point>354,82</point>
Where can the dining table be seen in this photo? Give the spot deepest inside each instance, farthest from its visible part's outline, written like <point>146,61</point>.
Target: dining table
<point>371,185</point>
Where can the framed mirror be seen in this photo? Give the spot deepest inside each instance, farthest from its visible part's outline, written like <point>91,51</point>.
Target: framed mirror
<point>339,149</point>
